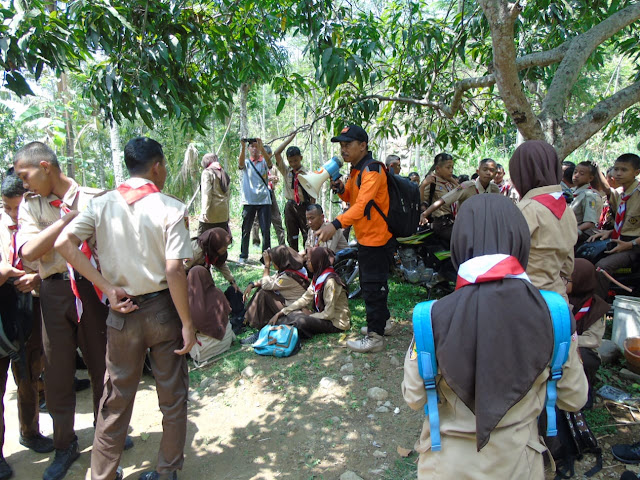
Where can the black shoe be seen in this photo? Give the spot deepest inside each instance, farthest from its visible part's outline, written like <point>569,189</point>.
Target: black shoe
<point>119,473</point>
<point>156,476</point>
<point>61,462</point>
<point>250,339</point>
<point>627,453</point>
<point>82,384</point>
<point>5,469</point>
<point>39,443</point>
<point>128,443</point>
<point>627,475</point>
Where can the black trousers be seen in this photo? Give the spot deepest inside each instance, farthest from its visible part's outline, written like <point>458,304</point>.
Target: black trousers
<point>295,219</point>
<point>374,272</point>
<point>249,212</point>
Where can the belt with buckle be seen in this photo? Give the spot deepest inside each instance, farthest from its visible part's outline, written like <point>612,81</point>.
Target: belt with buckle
<point>140,299</point>
<point>65,276</point>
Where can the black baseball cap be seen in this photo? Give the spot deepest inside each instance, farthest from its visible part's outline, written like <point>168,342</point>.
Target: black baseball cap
<point>351,133</point>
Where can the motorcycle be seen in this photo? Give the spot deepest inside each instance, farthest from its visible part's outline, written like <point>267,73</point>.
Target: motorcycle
<point>421,259</point>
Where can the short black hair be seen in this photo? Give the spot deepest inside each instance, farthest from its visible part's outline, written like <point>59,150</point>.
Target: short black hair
<point>593,168</point>
<point>413,174</point>
<point>463,178</point>
<point>12,186</point>
<point>499,166</point>
<point>631,158</point>
<point>141,153</point>
<point>35,152</point>
<point>568,173</point>
<point>487,160</point>
<point>315,206</point>
<point>569,164</point>
<point>293,151</point>
<point>474,176</point>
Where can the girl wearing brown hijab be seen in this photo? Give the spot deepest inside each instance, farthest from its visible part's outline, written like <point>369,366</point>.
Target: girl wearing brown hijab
<point>493,342</point>
<point>210,250</point>
<point>279,290</point>
<point>589,310</point>
<point>328,295</point>
<point>536,173</point>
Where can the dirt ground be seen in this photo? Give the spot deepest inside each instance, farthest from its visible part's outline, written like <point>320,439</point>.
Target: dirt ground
<point>304,417</point>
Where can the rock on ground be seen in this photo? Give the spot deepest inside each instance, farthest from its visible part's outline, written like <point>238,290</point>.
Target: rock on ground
<point>377,393</point>
<point>349,475</point>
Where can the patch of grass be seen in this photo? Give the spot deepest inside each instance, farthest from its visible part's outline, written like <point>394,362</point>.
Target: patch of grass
<point>403,469</point>
<point>600,421</point>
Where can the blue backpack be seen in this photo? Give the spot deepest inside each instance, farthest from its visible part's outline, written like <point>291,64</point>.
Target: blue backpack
<point>428,365</point>
<point>277,341</point>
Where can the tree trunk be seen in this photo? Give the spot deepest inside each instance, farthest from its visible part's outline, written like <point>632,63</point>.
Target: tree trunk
<point>244,118</point>
<point>116,153</point>
<point>63,95</point>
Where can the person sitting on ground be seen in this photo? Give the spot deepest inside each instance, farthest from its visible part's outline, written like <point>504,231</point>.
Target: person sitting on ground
<point>315,219</point>
<point>210,250</point>
<point>589,310</point>
<point>486,171</point>
<point>279,290</point>
<point>493,340</point>
<point>436,184</point>
<point>587,202</point>
<point>567,180</point>
<point>414,177</point>
<point>626,229</point>
<point>329,296</point>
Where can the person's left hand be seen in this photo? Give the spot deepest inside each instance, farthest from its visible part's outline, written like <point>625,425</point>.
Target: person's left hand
<point>621,246</point>
<point>326,232</point>
<point>275,318</point>
<point>27,282</point>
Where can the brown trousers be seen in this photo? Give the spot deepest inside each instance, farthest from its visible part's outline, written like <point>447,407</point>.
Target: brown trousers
<point>610,263</point>
<point>307,325</point>
<point>155,326</point>
<point>263,305</point>
<point>28,404</point>
<point>62,334</point>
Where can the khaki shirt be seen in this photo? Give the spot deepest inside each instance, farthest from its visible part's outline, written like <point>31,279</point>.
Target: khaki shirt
<point>215,202</point>
<point>286,286</point>
<point>336,243</point>
<point>552,241</point>
<point>198,259</point>
<point>631,225</point>
<point>336,305</point>
<point>287,184</point>
<point>515,448</point>
<point>586,205</point>
<point>5,247</point>
<point>442,188</point>
<point>37,213</point>
<point>467,190</point>
<point>134,241</point>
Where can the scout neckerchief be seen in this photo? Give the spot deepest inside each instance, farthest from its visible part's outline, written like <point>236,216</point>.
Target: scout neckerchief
<point>620,213</point>
<point>583,310</point>
<point>132,195</point>
<point>84,248</point>
<point>298,276</point>
<point>295,184</point>
<point>489,268</point>
<point>504,188</point>
<point>318,284</point>
<point>13,250</point>
<point>577,191</point>
<point>604,216</point>
<point>555,202</point>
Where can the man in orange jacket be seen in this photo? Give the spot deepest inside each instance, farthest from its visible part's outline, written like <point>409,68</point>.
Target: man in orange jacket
<point>372,232</point>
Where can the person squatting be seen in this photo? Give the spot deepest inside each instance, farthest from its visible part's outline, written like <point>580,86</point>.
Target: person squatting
<point>52,231</point>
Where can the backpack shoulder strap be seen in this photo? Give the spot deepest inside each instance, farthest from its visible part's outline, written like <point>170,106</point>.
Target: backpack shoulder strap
<point>427,366</point>
<point>561,320</point>
<point>367,165</point>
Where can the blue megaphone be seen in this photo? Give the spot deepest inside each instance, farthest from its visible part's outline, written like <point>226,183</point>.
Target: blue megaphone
<point>312,182</point>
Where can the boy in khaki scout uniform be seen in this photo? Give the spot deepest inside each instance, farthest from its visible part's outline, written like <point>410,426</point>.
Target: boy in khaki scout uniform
<point>26,283</point>
<point>54,200</point>
<point>134,224</point>
<point>587,202</point>
<point>626,228</point>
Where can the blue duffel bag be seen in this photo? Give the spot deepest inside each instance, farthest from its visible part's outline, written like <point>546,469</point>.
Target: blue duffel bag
<point>277,341</point>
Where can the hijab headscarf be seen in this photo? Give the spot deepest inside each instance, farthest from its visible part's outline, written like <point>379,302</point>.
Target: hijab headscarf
<point>583,289</point>
<point>209,307</point>
<point>286,258</point>
<point>534,164</point>
<point>210,242</point>
<point>322,261</point>
<point>492,339</point>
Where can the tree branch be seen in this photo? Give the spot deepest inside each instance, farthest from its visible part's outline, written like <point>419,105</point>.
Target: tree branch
<point>594,120</point>
<point>580,49</point>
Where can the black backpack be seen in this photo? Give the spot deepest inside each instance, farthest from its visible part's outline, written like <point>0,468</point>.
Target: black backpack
<point>236,317</point>
<point>404,203</point>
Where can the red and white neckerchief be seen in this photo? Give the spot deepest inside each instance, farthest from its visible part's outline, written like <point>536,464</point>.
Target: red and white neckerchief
<point>84,248</point>
<point>14,259</point>
<point>577,191</point>
<point>604,215</point>
<point>318,284</point>
<point>298,273</point>
<point>505,188</point>
<point>132,195</point>
<point>489,268</point>
<point>296,184</point>
<point>555,202</point>
<point>584,310</point>
<point>620,213</point>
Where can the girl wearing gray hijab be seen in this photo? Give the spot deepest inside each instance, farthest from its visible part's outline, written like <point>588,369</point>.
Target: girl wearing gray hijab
<point>493,341</point>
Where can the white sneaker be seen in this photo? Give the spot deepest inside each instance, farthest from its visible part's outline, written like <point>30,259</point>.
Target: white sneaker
<point>389,328</point>
<point>372,343</point>
<point>241,261</point>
